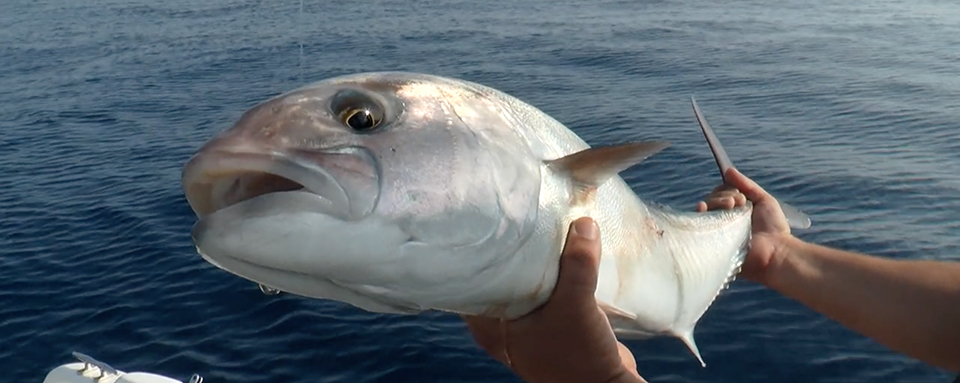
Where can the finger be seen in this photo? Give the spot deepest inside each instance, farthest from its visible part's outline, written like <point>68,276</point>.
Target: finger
<point>579,262</point>
<point>718,192</point>
<point>626,357</point>
<point>629,362</point>
<point>724,203</point>
<point>747,186</point>
<point>726,193</point>
<point>488,334</point>
<point>486,331</point>
<point>740,199</point>
<point>722,188</point>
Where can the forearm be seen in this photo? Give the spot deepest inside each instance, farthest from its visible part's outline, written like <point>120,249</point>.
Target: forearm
<point>909,306</point>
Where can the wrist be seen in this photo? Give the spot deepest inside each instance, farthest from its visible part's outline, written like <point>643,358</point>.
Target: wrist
<point>783,249</point>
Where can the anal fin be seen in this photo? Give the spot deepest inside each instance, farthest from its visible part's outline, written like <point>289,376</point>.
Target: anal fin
<point>687,338</point>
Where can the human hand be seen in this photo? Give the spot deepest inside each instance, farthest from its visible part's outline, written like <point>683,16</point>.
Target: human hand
<point>770,227</point>
<point>569,338</point>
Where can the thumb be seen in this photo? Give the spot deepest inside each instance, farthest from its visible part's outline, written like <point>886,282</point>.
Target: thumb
<point>579,262</point>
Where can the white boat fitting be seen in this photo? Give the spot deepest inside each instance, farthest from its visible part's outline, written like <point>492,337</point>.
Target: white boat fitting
<point>89,370</point>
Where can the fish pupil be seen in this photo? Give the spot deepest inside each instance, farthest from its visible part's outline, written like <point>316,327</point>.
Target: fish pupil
<point>361,119</point>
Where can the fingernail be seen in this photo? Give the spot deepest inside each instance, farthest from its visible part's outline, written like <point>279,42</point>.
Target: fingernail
<point>586,228</point>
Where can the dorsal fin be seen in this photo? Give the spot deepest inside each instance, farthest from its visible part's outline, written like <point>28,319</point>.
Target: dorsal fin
<point>591,167</point>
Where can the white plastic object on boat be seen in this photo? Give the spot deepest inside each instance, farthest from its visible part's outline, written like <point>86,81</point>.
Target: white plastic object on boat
<point>90,370</point>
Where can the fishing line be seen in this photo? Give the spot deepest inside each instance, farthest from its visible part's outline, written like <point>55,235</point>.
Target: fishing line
<point>300,37</point>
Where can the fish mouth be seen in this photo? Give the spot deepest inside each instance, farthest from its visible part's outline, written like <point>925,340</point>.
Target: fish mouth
<point>265,215</point>
<point>345,179</point>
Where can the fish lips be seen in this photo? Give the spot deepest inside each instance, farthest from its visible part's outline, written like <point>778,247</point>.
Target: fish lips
<point>346,181</point>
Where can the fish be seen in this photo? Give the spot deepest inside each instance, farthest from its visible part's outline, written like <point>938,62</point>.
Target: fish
<point>400,193</point>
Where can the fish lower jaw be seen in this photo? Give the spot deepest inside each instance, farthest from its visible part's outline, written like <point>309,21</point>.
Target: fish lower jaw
<point>369,298</point>
<point>273,280</point>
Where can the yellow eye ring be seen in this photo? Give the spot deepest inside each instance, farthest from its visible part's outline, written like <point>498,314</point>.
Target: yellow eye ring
<point>360,119</point>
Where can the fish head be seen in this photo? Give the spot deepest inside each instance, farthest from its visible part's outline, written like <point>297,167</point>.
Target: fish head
<point>384,190</point>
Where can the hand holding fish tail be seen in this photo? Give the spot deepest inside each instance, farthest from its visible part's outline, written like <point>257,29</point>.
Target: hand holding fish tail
<point>909,306</point>
<point>769,227</point>
<point>569,338</point>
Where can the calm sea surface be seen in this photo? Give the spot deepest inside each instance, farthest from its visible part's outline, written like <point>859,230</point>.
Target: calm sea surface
<point>848,110</point>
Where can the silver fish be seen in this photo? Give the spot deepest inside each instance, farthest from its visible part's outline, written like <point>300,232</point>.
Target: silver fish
<point>401,192</point>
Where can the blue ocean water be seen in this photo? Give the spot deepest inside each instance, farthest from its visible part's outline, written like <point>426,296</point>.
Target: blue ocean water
<point>846,109</point>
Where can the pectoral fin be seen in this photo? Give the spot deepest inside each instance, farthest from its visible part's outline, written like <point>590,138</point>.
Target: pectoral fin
<point>612,310</point>
<point>796,218</point>
<point>591,167</point>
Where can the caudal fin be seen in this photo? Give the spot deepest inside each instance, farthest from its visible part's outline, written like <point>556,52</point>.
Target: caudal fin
<point>796,218</point>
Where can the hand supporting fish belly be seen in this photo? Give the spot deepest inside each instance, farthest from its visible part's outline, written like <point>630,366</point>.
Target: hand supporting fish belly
<point>401,192</point>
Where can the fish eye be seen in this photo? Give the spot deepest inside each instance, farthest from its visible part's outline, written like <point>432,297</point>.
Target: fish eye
<point>357,110</point>
<point>360,119</point>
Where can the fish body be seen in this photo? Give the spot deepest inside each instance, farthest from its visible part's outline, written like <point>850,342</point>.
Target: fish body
<point>402,192</point>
